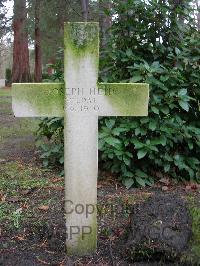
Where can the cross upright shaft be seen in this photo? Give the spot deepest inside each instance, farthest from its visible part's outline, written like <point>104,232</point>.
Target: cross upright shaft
<point>80,100</point>
<point>81,129</point>
<point>85,101</point>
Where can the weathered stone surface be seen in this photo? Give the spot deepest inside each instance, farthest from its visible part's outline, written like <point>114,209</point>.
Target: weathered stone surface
<point>103,99</point>
<point>2,83</point>
<point>160,225</point>
<point>81,102</point>
<point>38,100</point>
<point>81,129</point>
<point>123,99</point>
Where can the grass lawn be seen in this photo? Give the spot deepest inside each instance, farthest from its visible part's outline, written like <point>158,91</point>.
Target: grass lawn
<point>5,92</point>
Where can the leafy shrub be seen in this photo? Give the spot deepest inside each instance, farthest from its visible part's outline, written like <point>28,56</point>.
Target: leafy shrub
<point>50,137</point>
<point>51,144</point>
<point>145,48</point>
<point>45,76</point>
<point>157,44</point>
<point>8,77</point>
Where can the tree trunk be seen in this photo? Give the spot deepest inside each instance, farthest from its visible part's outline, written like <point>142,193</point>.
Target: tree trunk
<point>85,9</point>
<point>198,14</point>
<point>20,69</point>
<point>105,21</point>
<point>38,50</point>
<point>62,14</point>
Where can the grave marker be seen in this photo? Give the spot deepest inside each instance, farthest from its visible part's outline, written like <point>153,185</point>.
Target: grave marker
<point>80,100</point>
<point>2,83</point>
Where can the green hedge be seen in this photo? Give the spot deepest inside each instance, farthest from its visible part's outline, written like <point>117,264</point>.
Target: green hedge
<point>150,43</point>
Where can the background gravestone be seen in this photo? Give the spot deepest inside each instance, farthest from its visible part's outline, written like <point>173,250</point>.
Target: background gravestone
<point>2,83</point>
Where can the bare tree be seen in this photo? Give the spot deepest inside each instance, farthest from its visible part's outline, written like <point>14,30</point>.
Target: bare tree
<point>105,20</point>
<point>38,49</point>
<point>85,9</point>
<point>2,18</point>
<point>198,14</point>
<point>20,69</point>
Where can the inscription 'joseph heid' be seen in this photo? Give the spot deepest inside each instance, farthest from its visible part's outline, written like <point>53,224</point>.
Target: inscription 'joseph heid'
<point>87,99</point>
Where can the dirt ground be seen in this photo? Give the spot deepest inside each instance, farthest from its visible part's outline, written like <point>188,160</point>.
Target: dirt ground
<point>32,230</point>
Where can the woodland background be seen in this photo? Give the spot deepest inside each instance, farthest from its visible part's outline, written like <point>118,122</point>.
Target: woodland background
<point>37,27</point>
<point>155,41</point>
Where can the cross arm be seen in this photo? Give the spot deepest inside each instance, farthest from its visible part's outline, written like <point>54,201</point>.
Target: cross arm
<point>123,99</point>
<point>111,99</point>
<point>38,99</point>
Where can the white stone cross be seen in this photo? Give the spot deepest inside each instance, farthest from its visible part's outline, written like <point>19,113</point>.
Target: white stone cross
<point>80,100</point>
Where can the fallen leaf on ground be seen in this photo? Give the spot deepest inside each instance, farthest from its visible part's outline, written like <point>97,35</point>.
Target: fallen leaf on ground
<point>26,192</point>
<point>192,187</point>
<point>21,238</point>
<point>165,188</point>
<point>18,211</point>
<point>119,232</point>
<point>58,188</point>
<point>2,198</point>
<point>165,181</point>
<point>56,179</point>
<point>44,208</point>
<point>25,206</point>
<point>13,199</point>
<point>43,261</point>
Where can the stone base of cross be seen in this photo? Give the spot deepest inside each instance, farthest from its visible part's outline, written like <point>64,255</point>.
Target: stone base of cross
<point>80,101</point>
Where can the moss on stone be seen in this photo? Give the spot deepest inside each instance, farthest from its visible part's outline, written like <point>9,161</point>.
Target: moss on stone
<point>129,99</point>
<point>195,213</point>
<point>44,99</point>
<point>81,40</point>
<point>192,255</point>
<point>81,37</point>
<point>86,246</point>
